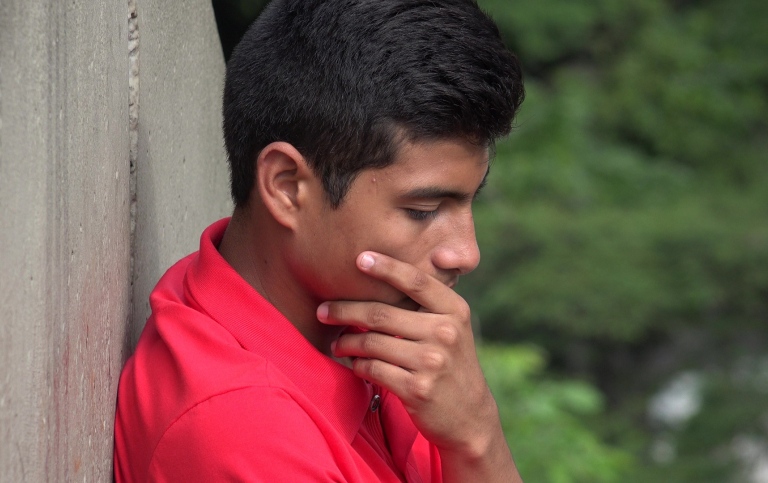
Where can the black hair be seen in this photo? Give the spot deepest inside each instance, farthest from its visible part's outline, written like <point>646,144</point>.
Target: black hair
<point>344,81</point>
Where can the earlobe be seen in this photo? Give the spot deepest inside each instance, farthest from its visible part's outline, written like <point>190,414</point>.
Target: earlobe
<point>281,174</point>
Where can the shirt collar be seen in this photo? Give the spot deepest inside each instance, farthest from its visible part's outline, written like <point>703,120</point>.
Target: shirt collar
<point>340,395</point>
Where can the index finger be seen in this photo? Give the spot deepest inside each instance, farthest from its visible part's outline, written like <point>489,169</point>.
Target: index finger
<point>423,288</point>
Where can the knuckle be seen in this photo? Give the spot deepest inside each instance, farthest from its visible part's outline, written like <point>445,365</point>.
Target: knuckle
<point>378,316</point>
<point>447,334</point>
<point>368,343</point>
<point>421,388</point>
<point>433,360</point>
<point>419,281</point>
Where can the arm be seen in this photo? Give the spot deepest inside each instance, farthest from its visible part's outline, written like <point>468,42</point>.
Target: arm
<point>428,359</point>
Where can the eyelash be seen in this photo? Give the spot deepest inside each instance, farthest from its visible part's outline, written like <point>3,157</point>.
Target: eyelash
<point>420,215</point>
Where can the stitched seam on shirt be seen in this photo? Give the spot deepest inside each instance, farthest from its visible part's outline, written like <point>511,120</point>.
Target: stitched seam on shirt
<point>212,396</point>
<point>415,472</point>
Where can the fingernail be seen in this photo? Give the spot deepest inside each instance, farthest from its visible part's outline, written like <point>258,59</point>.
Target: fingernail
<point>322,312</point>
<point>333,347</point>
<point>366,261</point>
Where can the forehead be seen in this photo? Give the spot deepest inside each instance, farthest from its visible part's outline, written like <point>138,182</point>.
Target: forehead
<point>456,161</point>
<point>433,153</point>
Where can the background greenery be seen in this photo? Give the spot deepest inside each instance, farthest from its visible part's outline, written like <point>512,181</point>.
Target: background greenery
<point>623,293</point>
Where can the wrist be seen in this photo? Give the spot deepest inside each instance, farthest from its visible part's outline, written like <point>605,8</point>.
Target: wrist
<point>484,457</point>
<point>489,463</point>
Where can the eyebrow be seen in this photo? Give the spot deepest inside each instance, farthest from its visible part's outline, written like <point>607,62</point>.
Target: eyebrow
<point>436,192</point>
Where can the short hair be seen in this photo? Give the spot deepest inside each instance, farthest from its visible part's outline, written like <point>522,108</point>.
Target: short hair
<point>345,81</point>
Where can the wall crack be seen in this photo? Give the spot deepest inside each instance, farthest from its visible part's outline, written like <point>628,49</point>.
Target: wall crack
<point>133,138</point>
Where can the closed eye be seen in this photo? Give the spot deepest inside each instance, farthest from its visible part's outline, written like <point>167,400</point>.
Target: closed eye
<point>420,215</point>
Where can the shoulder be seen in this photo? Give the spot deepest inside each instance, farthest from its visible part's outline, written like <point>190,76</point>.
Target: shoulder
<point>251,433</point>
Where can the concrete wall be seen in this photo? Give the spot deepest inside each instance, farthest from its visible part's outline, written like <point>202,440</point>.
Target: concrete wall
<point>96,201</point>
<point>182,177</point>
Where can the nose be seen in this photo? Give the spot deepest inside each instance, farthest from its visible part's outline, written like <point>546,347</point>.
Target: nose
<point>458,251</point>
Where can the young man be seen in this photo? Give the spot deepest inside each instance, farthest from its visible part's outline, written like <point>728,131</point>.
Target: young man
<point>316,335</point>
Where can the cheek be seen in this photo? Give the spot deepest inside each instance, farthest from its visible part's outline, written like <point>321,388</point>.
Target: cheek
<point>327,269</point>
<point>330,272</point>
<point>349,283</point>
<point>392,234</point>
<point>413,247</point>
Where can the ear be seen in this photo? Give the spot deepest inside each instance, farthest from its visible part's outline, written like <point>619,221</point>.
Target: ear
<point>282,177</point>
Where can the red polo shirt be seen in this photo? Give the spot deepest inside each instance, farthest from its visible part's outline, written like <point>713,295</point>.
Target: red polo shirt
<point>223,387</point>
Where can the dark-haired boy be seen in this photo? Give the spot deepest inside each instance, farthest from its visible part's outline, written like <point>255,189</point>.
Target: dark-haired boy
<point>316,335</point>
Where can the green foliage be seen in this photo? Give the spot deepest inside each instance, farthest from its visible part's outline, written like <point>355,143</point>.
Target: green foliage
<point>545,420</point>
<point>631,196</point>
<point>618,272</point>
<point>629,207</point>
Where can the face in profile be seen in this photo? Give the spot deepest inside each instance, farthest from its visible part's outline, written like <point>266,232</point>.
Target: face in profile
<point>417,210</point>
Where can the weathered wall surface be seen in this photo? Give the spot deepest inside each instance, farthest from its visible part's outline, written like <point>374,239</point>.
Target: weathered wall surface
<point>63,237</point>
<point>182,178</point>
<point>69,198</point>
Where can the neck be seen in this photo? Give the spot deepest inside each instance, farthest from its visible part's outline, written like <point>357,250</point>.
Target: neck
<point>257,256</point>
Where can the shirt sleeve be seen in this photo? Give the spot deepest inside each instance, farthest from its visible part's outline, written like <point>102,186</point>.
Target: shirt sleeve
<point>250,434</point>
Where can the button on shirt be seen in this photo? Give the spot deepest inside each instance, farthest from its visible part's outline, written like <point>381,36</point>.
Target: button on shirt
<point>222,387</point>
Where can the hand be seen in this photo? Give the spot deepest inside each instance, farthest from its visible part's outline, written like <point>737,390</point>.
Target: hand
<point>426,357</point>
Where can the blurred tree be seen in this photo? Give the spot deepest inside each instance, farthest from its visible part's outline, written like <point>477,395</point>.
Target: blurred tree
<point>624,226</point>
<point>547,420</point>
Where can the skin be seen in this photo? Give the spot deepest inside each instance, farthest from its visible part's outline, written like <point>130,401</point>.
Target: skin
<point>385,260</point>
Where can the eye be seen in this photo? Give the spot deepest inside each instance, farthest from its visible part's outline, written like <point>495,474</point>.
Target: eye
<point>420,215</point>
